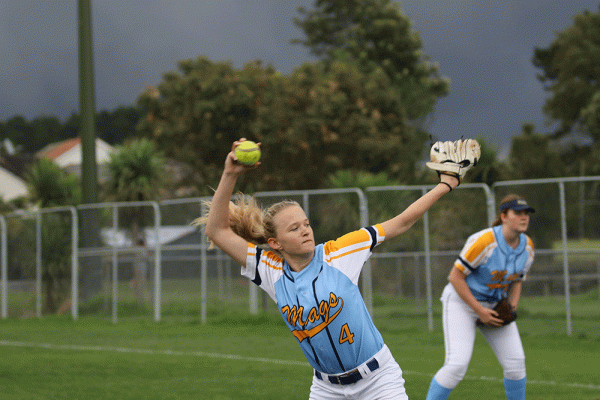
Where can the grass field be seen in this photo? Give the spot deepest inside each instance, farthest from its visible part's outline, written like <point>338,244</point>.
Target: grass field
<point>237,356</point>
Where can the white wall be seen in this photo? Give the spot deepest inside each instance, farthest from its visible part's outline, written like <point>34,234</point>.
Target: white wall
<point>73,155</point>
<point>11,186</point>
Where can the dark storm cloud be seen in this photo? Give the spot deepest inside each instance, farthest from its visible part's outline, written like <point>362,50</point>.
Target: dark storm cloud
<point>484,46</point>
<point>134,44</point>
<point>38,55</point>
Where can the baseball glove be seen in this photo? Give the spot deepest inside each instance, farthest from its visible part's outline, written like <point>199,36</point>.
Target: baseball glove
<point>505,312</point>
<point>454,158</point>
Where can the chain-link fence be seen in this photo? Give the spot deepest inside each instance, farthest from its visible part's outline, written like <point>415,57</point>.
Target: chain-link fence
<point>39,261</point>
<point>151,261</point>
<point>566,232</point>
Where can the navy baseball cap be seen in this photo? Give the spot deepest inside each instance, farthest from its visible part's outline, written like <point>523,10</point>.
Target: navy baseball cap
<point>517,205</point>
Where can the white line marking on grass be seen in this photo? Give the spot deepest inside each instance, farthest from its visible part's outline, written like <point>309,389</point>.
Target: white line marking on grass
<point>501,380</point>
<point>150,352</point>
<point>50,346</point>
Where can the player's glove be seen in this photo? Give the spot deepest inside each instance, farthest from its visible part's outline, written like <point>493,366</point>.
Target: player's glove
<point>505,312</point>
<point>454,158</point>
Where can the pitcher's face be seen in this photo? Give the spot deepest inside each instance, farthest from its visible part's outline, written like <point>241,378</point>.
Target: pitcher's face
<point>294,233</point>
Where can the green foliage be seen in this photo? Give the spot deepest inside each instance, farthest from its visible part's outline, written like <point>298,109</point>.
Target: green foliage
<point>358,179</point>
<point>4,206</point>
<point>118,126</point>
<point>30,136</point>
<point>136,172</point>
<point>570,73</point>
<point>323,117</point>
<point>534,156</point>
<point>357,109</point>
<point>375,34</point>
<point>50,186</point>
<point>196,114</point>
<point>590,115</point>
<point>342,118</point>
<point>489,168</point>
<point>18,131</point>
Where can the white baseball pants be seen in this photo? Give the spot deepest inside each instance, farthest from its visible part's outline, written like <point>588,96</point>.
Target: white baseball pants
<point>459,337</point>
<point>385,383</point>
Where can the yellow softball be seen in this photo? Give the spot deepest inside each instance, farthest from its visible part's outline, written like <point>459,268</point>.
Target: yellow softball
<point>247,153</point>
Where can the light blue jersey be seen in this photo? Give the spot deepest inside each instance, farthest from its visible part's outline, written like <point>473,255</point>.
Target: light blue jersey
<point>491,265</point>
<point>322,305</point>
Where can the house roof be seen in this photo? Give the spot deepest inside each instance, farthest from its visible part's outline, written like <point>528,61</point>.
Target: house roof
<point>17,164</point>
<point>55,150</point>
<point>68,152</point>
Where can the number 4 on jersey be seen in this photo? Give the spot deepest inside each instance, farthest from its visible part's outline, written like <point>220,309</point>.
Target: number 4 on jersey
<point>346,335</point>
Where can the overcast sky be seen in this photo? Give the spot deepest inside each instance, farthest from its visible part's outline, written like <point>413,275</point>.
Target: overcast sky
<point>485,47</point>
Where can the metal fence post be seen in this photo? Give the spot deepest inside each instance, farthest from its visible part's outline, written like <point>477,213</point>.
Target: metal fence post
<point>38,264</point>
<point>203,271</point>
<point>157,262</point>
<point>115,266</point>
<point>565,254</point>
<point>366,273</point>
<point>4,267</point>
<point>563,228</point>
<point>428,282</point>
<point>74,264</point>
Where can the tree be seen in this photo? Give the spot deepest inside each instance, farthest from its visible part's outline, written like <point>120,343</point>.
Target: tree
<point>334,116</point>
<point>117,126</point>
<point>375,34</point>
<point>50,186</point>
<point>196,114</point>
<point>45,130</point>
<point>114,127</point>
<point>570,72</point>
<point>136,173</point>
<point>533,156</point>
<point>360,107</point>
<point>324,116</point>
<point>18,131</point>
<point>489,168</point>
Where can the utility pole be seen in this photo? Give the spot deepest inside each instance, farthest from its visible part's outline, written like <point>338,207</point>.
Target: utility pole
<point>90,280</point>
<point>87,105</point>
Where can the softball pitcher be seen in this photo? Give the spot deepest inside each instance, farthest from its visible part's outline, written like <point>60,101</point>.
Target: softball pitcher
<point>315,286</point>
<point>488,272</point>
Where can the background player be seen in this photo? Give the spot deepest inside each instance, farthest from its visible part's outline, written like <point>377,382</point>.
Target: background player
<point>490,267</point>
<point>315,286</point>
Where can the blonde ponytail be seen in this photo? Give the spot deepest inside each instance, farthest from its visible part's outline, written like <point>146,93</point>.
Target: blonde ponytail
<point>247,219</point>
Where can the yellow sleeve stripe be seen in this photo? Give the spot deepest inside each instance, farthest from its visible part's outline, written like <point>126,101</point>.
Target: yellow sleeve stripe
<point>328,256</point>
<point>461,268</point>
<point>273,260</point>
<point>276,268</point>
<point>530,242</point>
<point>251,249</point>
<point>380,232</point>
<point>479,246</point>
<point>349,239</point>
